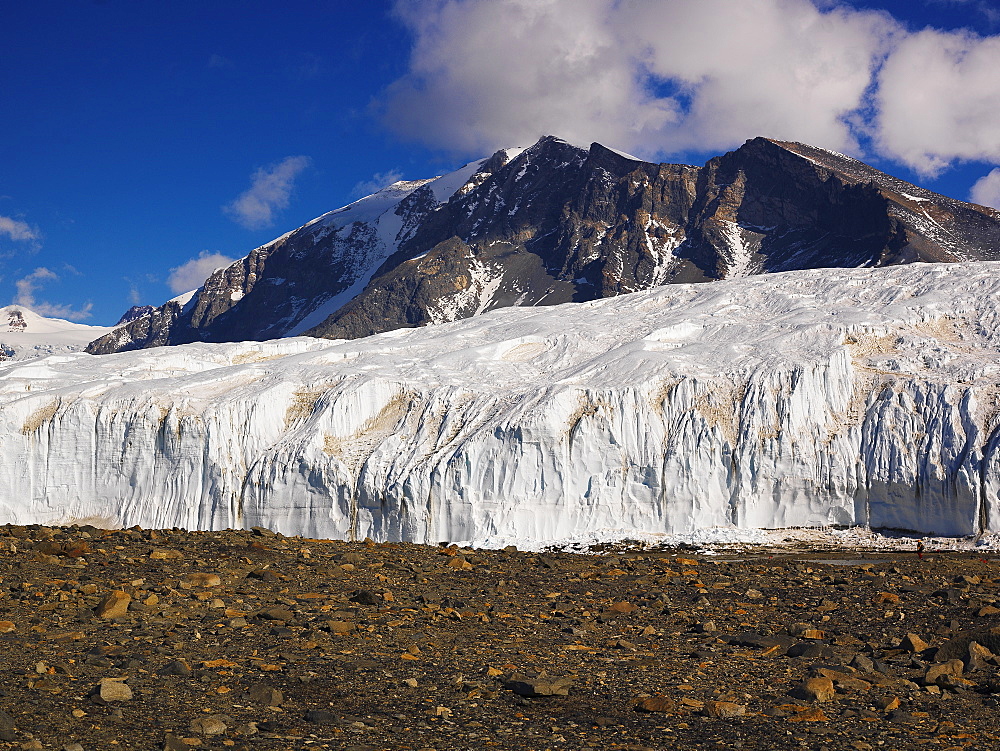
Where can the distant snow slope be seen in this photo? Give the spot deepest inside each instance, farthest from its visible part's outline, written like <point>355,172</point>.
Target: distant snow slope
<point>845,396</point>
<point>41,336</point>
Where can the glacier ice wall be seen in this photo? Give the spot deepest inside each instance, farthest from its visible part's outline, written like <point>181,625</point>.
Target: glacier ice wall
<point>802,399</point>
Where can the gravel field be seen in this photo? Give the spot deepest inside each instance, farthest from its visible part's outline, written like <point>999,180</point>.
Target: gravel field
<point>143,639</point>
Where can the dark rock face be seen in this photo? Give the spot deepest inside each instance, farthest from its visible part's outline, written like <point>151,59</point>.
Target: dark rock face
<point>136,311</point>
<point>558,223</point>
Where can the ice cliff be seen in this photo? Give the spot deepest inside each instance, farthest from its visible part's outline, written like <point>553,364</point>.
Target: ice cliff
<point>846,396</point>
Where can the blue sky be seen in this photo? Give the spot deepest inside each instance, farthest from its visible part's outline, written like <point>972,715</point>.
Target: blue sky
<point>143,143</point>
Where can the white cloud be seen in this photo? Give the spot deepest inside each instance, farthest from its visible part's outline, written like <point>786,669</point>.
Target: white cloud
<point>269,193</point>
<point>27,287</point>
<point>939,100</point>
<point>192,274</point>
<point>657,77</point>
<point>986,191</point>
<point>378,181</point>
<point>16,230</point>
<point>489,73</point>
<point>652,77</point>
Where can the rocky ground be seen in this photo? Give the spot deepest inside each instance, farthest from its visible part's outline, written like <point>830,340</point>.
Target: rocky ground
<point>141,639</point>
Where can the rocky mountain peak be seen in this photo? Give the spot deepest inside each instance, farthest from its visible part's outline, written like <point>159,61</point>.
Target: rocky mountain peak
<point>557,222</point>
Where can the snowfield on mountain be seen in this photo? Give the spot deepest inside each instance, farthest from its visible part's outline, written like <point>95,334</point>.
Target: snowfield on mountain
<point>806,398</point>
<point>25,334</point>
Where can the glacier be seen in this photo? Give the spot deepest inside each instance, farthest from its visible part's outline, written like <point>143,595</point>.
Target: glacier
<point>839,397</point>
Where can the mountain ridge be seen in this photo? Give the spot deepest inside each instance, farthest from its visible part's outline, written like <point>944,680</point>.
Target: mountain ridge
<point>558,223</point>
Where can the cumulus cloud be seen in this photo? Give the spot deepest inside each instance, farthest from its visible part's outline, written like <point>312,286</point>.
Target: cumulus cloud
<point>16,230</point>
<point>986,191</point>
<point>269,192</point>
<point>939,100</point>
<point>27,287</point>
<point>378,181</point>
<point>193,273</point>
<point>657,77</point>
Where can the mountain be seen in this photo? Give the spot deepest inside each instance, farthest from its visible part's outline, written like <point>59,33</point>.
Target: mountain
<point>806,398</point>
<point>136,311</point>
<point>25,334</point>
<point>557,223</point>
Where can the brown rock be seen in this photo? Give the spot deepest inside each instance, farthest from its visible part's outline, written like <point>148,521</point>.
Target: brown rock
<point>266,696</point>
<point>165,554</point>
<point>276,614</point>
<point>978,657</point>
<point>541,685</point>
<point>913,643</point>
<point>851,684</point>
<point>724,709</point>
<point>952,668</point>
<point>811,714</point>
<point>887,703</point>
<point>339,627</point>
<point>203,580</point>
<point>111,689</point>
<point>114,605</point>
<point>815,689</point>
<point>656,704</point>
<point>7,627</point>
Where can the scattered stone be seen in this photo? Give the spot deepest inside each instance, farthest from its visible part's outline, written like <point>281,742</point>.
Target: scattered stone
<point>7,627</point>
<point>165,554</point>
<point>277,614</point>
<point>724,709</point>
<point>114,689</point>
<point>913,643</point>
<point>265,696</point>
<point>114,605</point>
<point>819,689</point>
<point>656,704</point>
<point>203,580</point>
<point>978,658</point>
<point>176,667</point>
<point>953,668</point>
<point>540,685</point>
<point>210,725</point>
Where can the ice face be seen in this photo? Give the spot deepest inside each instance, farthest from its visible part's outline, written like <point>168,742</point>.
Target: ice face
<point>829,397</point>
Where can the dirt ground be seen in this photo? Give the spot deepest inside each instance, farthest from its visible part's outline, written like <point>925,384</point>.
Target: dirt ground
<point>142,639</point>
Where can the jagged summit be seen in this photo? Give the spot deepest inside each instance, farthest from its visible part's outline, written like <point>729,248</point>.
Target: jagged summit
<point>557,222</point>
